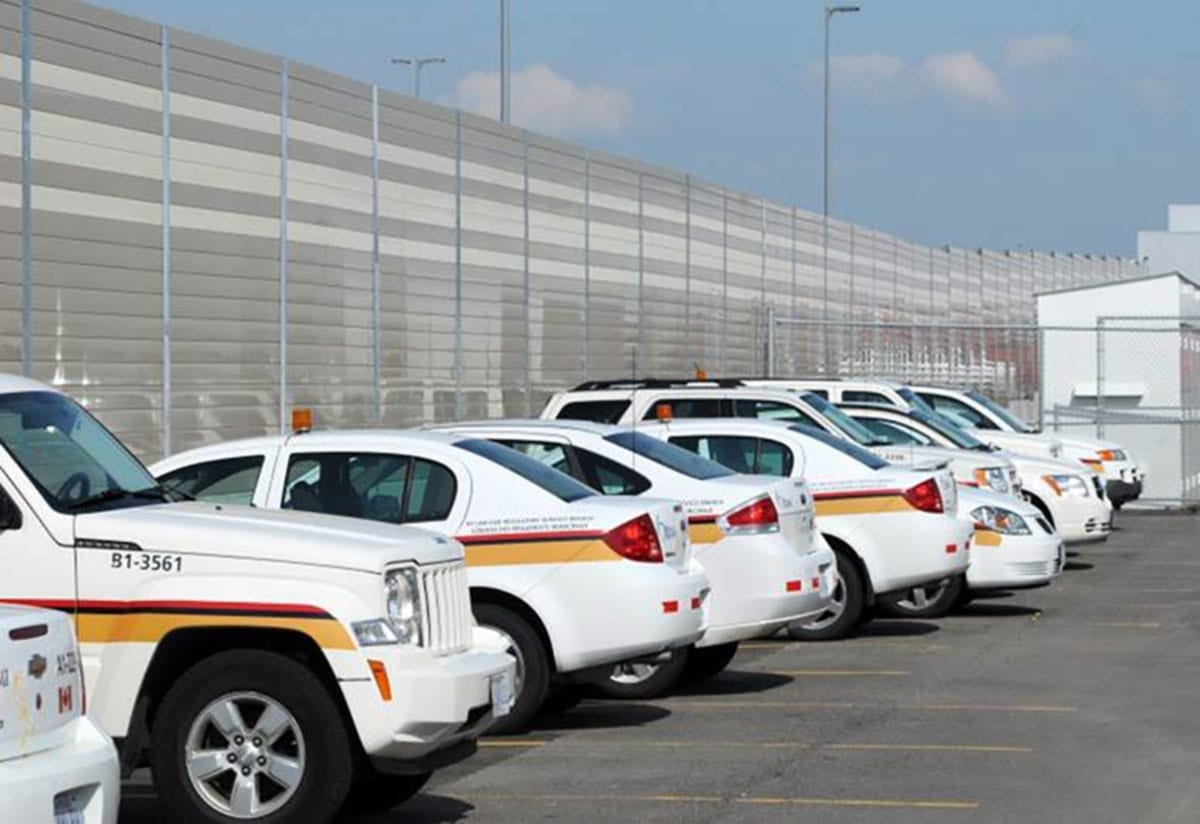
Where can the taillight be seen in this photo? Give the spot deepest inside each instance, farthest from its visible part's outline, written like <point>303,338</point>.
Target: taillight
<point>759,515</point>
<point>925,496</point>
<point>636,540</point>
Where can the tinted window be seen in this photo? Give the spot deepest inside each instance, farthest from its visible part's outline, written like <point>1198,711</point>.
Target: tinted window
<point>1000,412</point>
<point>608,476</point>
<point>741,453</point>
<point>949,429</point>
<point>686,408</point>
<point>843,422</point>
<point>958,412</point>
<point>771,411</point>
<point>598,411</point>
<point>553,455</point>
<point>390,488</point>
<point>672,457</point>
<point>228,481</point>
<point>894,433</point>
<point>859,396</point>
<point>558,484</point>
<point>820,393</point>
<point>863,456</point>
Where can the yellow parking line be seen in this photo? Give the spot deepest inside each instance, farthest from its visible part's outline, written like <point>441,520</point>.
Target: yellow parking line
<point>883,803</point>
<point>846,705</point>
<point>814,673</point>
<point>1129,624</point>
<point>980,748</point>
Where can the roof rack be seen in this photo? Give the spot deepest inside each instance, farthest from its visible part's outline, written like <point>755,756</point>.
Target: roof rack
<point>659,383</point>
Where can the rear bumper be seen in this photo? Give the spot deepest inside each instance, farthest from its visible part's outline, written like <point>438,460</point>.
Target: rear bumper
<point>760,584</point>
<point>86,770</point>
<point>435,705</point>
<point>1016,562</point>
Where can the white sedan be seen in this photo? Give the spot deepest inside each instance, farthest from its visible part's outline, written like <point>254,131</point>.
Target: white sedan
<point>56,766</point>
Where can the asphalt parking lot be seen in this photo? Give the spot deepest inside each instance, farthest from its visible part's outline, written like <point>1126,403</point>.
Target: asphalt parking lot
<point>1075,703</point>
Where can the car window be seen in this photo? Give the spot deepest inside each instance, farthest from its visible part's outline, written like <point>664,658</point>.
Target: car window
<point>686,408</point>
<point>665,454</point>
<point>820,393</point>
<point>863,456</point>
<point>771,411</point>
<point>861,396</point>
<point>740,453</point>
<point>608,476</point>
<point>227,481</point>
<point>553,455</point>
<point>380,487</point>
<point>896,434</point>
<point>958,412</point>
<point>558,484</point>
<point>774,458</point>
<point>598,411</point>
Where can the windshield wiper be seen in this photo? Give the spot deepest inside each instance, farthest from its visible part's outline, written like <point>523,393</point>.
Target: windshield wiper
<point>152,493</point>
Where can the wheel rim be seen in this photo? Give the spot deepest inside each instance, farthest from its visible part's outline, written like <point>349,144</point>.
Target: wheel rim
<point>245,755</point>
<point>834,611</point>
<point>513,649</point>
<point>920,598</point>
<point>630,674</point>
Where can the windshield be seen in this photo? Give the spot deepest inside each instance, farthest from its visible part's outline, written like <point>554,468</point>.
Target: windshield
<point>1000,412</point>
<point>853,450</point>
<point>950,430</point>
<point>73,460</point>
<point>672,457</point>
<point>844,422</point>
<point>915,401</point>
<point>561,486</point>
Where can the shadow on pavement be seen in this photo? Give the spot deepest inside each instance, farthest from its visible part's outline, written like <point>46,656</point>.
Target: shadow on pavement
<point>736,682</point>
<point>423,809</point>
<point>595,715</point>
<point>886,627</point>
<point>1077,566</point>
<point>984,610</point>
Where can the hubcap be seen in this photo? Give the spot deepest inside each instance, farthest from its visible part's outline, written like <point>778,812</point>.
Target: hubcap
<point>834,611</point>
<point>922,597</point>
<point>629,673</point>
<point>244,755</point>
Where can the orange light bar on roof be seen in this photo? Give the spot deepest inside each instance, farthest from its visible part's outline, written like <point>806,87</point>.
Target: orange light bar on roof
<point>302,420</point>
<point>1106,455</point>
<point>662,411</point>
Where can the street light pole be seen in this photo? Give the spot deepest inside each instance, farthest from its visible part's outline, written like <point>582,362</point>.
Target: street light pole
<point>417,63</point>
<point>505,64</point>
<point>830,11</point>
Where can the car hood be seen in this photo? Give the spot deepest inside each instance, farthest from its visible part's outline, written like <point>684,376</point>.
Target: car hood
<point>270,535</point>
<point>971,499</point>
<point>1023,443</point>
<point>1049,466</point>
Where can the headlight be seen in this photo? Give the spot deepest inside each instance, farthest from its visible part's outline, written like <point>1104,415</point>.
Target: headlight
<point>1067,485</point>
<point>994,478</point>
<point>1000,520</point>
<point>404,604</point>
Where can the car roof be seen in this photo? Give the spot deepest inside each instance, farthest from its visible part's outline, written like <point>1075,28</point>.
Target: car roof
<point>18,383</point>
<point>590,427</point>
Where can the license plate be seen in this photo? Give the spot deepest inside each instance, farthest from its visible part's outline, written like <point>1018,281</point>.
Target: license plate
<point>66,810</point>
<point>503,694</point>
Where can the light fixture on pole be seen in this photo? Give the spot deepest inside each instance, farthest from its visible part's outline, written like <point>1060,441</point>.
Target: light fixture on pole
<point>830,11</point>
<point>417,63</point>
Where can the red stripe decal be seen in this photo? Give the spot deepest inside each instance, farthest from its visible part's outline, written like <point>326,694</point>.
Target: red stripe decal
<point>192,607</point>
<point>670,607</point>
<point>794,586</point>
<point>527,537</point>
<point>857,493</point>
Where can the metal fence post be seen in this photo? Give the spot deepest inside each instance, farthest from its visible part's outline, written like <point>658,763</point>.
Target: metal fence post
<point>687,268</point>
<point>283,246</point>
<point>376,344</point>
<point>769,370</point>
<point>724,276</point>
<point>641,293</point>
<point>587,262</point>
<point>1100,377</point>
<point>525,274</point>
<point>26,194</point>
<point>458,256</point>
<point>165,82</point>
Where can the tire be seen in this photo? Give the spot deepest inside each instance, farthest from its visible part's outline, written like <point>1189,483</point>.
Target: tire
<point>375,792</point>
<point>562,699</point>
<point>707,662</point>
<point>848,613</point>
<point>645,681</point>
<point>231,689</point>
<point>925,602</point>
<point>533,665</point>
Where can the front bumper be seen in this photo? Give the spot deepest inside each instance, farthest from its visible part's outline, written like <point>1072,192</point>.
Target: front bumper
<point>1014,561</point>
<point>760,585</point>
<point>1081,520</point>
<point>436,703</point>
<point>1122,492</point>
<point>83,773</point>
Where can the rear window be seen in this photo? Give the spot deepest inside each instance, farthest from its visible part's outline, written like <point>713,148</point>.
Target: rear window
<point>668,455</point>
<point>596,411</point>
<point>947,428</point>
<point>561,486</point>
<point>863,456</point>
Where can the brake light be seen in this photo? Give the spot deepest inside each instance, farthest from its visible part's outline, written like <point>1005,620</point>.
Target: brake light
<point>636,540</point>
<point>759,515</point>
<point>925,496</point>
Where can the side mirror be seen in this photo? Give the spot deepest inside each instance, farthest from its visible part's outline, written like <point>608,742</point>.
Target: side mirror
<point>10,514</point>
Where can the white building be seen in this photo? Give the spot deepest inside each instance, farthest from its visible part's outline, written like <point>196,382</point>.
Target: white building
<point>1178,248</point>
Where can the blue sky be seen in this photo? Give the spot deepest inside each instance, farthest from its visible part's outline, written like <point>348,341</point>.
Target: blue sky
<point>1052,124</point>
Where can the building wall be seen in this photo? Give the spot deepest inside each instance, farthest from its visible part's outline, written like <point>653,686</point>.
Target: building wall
<point>201,237</point>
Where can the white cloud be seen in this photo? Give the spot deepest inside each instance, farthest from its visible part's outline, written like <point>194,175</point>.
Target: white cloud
<point>962,77</point>
<point>545,101</point>
<point>1157,95</point>
<point>1038,50</point>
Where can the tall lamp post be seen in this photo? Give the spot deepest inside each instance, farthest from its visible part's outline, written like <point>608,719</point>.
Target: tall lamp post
<point>417,63</point>
<point>830,11</point>
<point>505,62</point>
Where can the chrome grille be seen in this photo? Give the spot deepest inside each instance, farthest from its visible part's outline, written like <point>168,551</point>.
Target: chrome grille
<point>1038,568</point>
<point>446,604</point>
